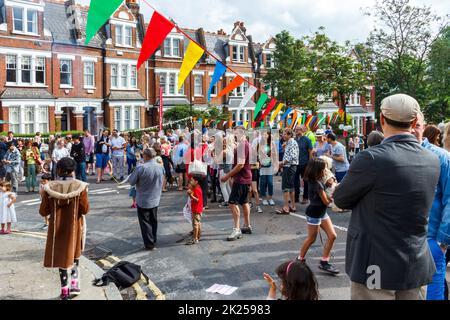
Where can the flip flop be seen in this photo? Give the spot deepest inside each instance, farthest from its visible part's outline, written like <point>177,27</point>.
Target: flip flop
<point>292,210</point>
<point>282,212</point>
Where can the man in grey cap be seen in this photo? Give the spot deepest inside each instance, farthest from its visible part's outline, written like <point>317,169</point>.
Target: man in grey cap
<point>148,179</point>
<point>390,188</point>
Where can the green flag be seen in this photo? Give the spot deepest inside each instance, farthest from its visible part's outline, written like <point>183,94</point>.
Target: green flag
<point>259,105</point>
<point>99,12</point>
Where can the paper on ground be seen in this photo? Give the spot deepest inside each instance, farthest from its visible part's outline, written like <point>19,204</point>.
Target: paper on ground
<point>222,289</point>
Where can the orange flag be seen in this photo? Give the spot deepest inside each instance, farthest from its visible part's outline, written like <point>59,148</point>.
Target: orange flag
<point>294,118</point>
<point>233,85</point>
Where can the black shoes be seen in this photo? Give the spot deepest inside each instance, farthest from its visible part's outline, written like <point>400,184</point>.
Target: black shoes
<point>327,267</point>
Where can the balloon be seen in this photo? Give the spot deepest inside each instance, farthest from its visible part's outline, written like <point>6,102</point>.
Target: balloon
<point>341,127</point>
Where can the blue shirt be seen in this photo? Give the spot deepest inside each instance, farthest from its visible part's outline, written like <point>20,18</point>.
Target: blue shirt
<point>339,150</point>
<point>439,219</point>
<point>304,147</point>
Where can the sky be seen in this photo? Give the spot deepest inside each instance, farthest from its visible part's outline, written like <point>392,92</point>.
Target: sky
<point>343,19</point>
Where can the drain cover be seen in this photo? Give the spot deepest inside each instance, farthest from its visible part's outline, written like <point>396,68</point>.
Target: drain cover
<point>97,253</point>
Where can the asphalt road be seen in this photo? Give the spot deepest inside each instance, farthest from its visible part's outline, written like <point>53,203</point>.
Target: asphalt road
<point>185,272</point>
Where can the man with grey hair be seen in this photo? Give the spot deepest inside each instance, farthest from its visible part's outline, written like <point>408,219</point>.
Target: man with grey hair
<point>148,179</point>
<point>390,189</point>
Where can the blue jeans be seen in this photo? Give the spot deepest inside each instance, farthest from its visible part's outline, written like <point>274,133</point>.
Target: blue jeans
<point>435,290</point>
<point>266,184</point>
<point>81,171</point>
<point>131,164</point>
<point>340,176</point>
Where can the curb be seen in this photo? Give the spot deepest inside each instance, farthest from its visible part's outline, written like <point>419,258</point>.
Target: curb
<point>111,291</point>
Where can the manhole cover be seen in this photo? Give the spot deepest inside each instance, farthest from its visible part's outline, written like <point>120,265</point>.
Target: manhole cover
<point>97,253</point>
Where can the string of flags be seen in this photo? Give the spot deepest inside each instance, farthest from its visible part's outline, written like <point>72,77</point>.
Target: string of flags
<point>160,27</point>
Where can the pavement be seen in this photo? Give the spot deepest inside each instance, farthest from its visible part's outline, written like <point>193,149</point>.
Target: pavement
<point>180,272</point>
<point>23,277</point>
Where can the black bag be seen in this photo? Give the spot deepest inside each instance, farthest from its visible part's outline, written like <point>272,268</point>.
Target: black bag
<point>124,274</point>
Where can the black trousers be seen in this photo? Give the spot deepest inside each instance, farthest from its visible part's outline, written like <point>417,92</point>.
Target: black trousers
<point>300,173</point>
<point>204,185</point>
<point>148,221</point>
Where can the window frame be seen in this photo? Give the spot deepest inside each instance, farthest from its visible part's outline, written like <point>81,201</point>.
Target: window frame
<point>169,47</point>
<point>36,70</point>
<point>117,120</point>
<point>87,75</point>
<point>29,124</point>
<point>133,77</point>
<point>61,72</point>
<point>27,70</point>
<point>198,87</point>
<point>127,36</point>
<point>127,121</point>
<point>25,21</point>
<point>124,67</point>
<point>16,69</point>
<point>15,127</point>
<point>115,75</point>
<point>121,33</point>
<point>136,120</point>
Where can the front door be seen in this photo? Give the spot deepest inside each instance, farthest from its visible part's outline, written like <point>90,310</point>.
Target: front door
<point>89,121</point>
<point>65,119</point>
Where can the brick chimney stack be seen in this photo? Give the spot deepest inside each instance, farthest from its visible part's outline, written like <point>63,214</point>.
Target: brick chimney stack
<point>221,32</point>
<point>134,7</point>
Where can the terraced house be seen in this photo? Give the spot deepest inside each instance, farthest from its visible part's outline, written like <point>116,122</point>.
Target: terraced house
<point>51,81</point>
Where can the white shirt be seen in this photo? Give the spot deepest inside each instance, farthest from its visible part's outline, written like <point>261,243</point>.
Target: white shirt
<point>118,143</point>
<point>58,154</point>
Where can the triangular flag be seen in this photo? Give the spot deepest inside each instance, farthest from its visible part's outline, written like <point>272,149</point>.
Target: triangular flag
<point>218,73</point>
<point>193,53</point>
<point>277,111</point>
<point>304,118</point>
<point>205,121</point>
<point>157,31</point>
<point>284,116</point>
<point>260,104</point>
<point>248,96</point>
<point>269,108</point>
<point>294,119</point>
<point>99,12</point>
<point>245,124</point>
<point>233,85</point>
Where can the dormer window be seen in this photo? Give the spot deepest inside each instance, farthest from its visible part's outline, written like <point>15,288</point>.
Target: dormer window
<point>124,36</point>
<point>238,53</point>
<point>270,62</point>
<point>172,47</point>
<point>25,20</point>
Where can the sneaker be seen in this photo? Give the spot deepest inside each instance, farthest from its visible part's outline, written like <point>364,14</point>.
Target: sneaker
<point>134,206</point>
<point>271,203</point>
<point>223,204</point>
<point>251,205</point>
<point>235,235</point>
<point>259,210</point>
<point>44,227</point>
<point>64,294</point>
<point>74,287</point>
<point>327,267</point>
<point>192,242</point>
<point>247,230</point>
<point>265,203</point>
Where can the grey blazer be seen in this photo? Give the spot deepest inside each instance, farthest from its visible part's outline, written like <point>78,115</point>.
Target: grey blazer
<point>390,189</point>
<point>148,179</point>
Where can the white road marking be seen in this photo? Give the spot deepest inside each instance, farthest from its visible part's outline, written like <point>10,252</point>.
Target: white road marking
<point>304,218</point>
<point>124,187</point>
<point>99,190</point>
<point>28,201</point>
<point>104,192</point>
<point>33,203</point>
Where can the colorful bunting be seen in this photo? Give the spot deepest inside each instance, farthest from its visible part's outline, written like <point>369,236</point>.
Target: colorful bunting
<point>285,115</point>
<point>308,120</point>
<point>248,96</point>
<point>294,119</point>
<point>193,53</point>
<point>245,124</point>
<point>161,108</point>
<point>277,111</point>
<point>260,104</point>
<point>157,31</point>
<point>99,12</point>
<point>218,73</point>
<point>233,85</point>
<point>269,108</point>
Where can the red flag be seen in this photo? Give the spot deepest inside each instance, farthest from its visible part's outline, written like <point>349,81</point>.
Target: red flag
<point>233,85</point>
<point>269,108</point>
<point>161,111</point>
<point>157,31</point>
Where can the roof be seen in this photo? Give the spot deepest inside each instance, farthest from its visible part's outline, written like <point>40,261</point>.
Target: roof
<point>236,102</point>
<point>173,101</point>
<point>124,95</point>
<point>216,44</point>
<point>26,93</point>
<point>60,25</point>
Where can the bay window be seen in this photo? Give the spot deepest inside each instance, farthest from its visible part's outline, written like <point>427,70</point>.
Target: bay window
<point>14,119</point>
<point>11,68</point>
<point>43,119</point>
<point>117,118</point>
<point>172,83</point>
<point>26,69</point>
<point>137,117</point>
<point>40,70</point>
<point>124,76</point>
<point>114,76</point>
<point>127,118</point>
<point>133,78</point>
<point>29,119</point>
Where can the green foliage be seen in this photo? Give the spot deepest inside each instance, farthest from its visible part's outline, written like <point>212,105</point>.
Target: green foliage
<point>184,111</point>
<point>43,135</point>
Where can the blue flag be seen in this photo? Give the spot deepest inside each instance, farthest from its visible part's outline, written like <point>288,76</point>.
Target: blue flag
<point>218,73</point>
<point>285,115</point>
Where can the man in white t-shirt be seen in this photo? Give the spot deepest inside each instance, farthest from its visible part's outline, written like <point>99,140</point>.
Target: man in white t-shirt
<point>118,146</point>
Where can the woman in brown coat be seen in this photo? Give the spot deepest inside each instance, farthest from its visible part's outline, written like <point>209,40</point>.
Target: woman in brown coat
<point>65,202</point>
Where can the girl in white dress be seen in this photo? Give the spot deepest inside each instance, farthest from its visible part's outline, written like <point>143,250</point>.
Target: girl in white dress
<point>7,210</point>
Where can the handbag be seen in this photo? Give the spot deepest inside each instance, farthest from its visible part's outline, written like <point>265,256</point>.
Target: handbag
<point>187,211</point>
<point>198,167</point>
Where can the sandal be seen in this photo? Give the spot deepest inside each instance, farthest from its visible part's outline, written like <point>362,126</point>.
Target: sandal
<point>292,210</point>
<point>282,212</point>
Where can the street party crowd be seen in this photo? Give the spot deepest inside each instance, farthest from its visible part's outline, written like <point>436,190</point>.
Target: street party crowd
<point>396,182</point>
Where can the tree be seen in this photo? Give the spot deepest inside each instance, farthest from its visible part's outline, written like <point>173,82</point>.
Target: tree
<point>437,108</point>
<point>401,44</point>
<point>183,111</point>
<point>339,70</point>
<point>290,78</point>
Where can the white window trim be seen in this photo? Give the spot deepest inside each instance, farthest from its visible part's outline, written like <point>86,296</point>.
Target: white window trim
<point>167,73</point>
<point>170,54</point>
<point>89,59</point>
<point>199,95</point>
<point>122,44</point>
<point>36,123</point>
<point>121,106</point>
<point>25,4</point>
<point>84,83</point>
<point>119,76</point>
<point>66,57</point>
<point>66,86</point>
<point>19,82</point>
<point>25,9</point>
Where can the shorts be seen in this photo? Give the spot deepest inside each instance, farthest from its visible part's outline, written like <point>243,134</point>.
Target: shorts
<point>101,160</point>
<point>132,192</point>
<point>288,179</point>
<point>317,221</point>
<point>90,158</point>
<point>196,218</point>
<point>255,175</point>
<point>180,168</point>
<point>239,194</point>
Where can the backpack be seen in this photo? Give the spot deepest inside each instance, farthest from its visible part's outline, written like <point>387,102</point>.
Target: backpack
<point>124,274</point>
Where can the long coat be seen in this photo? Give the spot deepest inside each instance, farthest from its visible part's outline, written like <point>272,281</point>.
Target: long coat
<point>66,203</point>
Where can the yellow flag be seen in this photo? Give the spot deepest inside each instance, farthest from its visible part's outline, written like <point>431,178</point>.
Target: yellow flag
<point>205,122</point>
<point>193,54</point>
<point>277,111</point>
<point>245,124</point>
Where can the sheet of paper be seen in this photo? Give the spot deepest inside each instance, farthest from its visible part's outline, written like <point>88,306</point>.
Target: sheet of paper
<point>213,288</point>
<point>221,289</point>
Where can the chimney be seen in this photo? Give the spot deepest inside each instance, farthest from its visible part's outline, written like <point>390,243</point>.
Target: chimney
<point>221,32</point>
<point>134,7</point>
<point>242,26</point>
<point>71,13</point>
